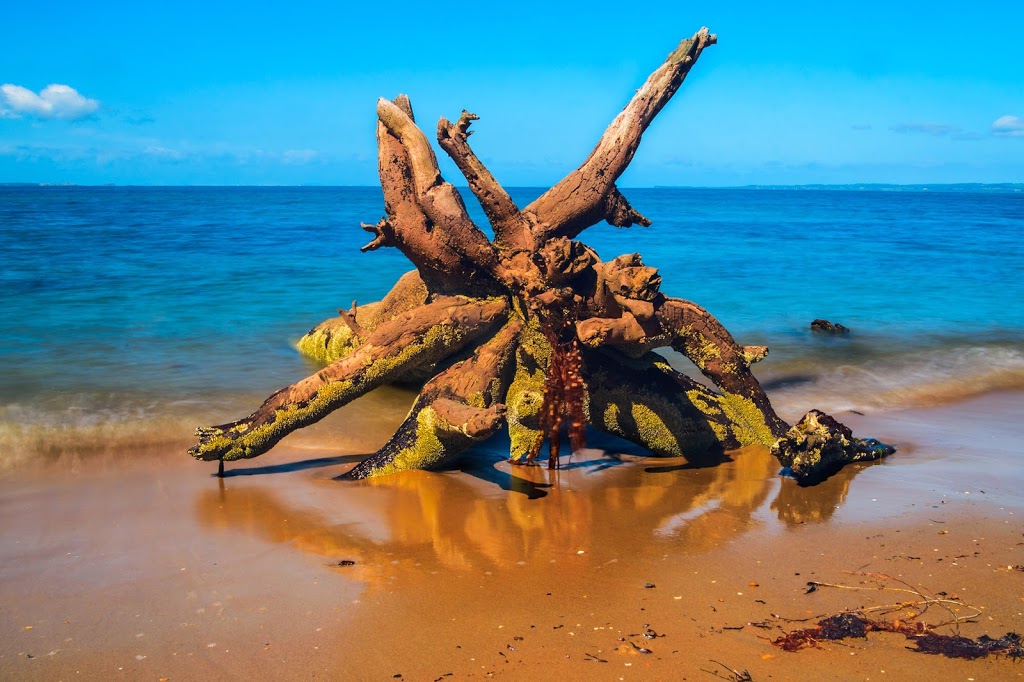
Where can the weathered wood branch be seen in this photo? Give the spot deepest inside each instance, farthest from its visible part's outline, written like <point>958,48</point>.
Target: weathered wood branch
<point>446,226</point>
<point>349,318</point>
<point>526,394</point>
<point>426,218</point>
<point>579,200</point>
<point>648,403</point>
<point>459,407</point>
<point>708,344</point>
<point>425,334</point>
<point>333,339</point>
<point>618,212</point>
<point>510,227</point>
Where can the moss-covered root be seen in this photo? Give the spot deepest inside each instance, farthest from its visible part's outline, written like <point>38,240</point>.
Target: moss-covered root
<point>648,403</point>
<point>526,393</point>
<point>335,338</point>
<point>426,334</point>
<point>432,434</point>
<point>818,446</point>
<point>698,335</point>
<point>459,407</point>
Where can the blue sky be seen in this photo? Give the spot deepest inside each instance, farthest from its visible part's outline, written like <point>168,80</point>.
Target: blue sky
<point>193,93</point>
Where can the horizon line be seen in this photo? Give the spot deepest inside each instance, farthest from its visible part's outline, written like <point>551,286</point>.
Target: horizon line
<point>760,186</point>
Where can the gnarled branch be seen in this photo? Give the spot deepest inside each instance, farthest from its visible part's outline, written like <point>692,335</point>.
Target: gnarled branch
<point>448,226</point>
<point>426,334</point>
<point>510,230</point>
<point>456,409</point>
<point>426,218</point>
<point>648,403</point>
<point>334,338</point>
<point>698,335</point>
<point>581,198</point>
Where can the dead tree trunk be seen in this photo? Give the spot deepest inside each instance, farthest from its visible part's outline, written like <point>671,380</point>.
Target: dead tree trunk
<point>553,338</point>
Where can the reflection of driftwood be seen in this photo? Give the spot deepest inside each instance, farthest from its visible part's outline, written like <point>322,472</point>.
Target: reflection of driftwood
<point>530,330</point>
<point>699,508</point>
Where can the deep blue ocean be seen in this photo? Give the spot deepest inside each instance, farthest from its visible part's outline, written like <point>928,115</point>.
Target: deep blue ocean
<point>135,314</point>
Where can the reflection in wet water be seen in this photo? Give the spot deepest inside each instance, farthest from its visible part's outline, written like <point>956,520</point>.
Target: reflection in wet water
<point>499,516</point>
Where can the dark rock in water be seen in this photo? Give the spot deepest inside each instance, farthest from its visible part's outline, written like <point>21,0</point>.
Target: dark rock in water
<point>826,327</point>
<point>818,446</point>
<point>346,562</point>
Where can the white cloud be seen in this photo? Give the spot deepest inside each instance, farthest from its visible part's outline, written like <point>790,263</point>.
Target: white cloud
<point>1008,126</point>
<point>53,101</point>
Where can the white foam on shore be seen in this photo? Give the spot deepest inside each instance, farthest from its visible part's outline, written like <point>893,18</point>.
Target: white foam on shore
<point>898,380</point>
<point>70,426</point>
<point>124,425</point>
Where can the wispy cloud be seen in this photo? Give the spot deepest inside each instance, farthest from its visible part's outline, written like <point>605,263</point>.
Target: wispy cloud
<point>1008,126</point>
<point>53,101</point>
<point>298,157</point>
<point>936,129</point>
<point>150,149</point>
<point>161,152</point>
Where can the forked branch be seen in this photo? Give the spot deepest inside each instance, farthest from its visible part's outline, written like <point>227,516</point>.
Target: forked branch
<point>577,201</point>
<point>509,226</point>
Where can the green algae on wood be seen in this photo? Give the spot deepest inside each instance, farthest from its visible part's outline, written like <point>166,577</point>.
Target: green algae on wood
<point>334,338</point>
<point>526,392</point>
<point>647,402</point>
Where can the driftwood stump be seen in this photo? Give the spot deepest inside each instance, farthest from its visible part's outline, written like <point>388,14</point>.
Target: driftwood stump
<point>530,330</point>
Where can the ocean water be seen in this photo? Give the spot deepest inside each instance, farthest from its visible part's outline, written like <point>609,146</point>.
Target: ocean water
<point>132,315</point>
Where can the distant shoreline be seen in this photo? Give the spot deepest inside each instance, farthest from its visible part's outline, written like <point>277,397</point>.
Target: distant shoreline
<point>960,187</point>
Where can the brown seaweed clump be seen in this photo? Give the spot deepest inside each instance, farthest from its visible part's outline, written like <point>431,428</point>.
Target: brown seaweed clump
<point>854,625</point>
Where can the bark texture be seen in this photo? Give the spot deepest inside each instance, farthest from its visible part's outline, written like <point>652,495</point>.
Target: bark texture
<point>531,330</point>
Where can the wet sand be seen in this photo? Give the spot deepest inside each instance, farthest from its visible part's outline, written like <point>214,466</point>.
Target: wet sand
<point>144,566</point>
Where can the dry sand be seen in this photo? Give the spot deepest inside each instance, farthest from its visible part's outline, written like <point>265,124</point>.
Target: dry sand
<point>143,566</point>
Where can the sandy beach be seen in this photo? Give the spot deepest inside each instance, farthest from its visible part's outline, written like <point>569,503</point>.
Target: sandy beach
<point>145,566</point>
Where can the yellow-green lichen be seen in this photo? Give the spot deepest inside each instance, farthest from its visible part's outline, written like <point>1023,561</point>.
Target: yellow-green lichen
<point>477,399</point>
<point>654,432</point>
<point>611,414</point>
<point>720,430</point>
<point>328,342</point>
<point>748,422</point>
<point>525,395</point>
<point>427,447</point>
<point>698,400</point>
<point>703,355</point>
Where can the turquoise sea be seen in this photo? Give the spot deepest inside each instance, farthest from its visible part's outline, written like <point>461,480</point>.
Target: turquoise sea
<point>134,314</point>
